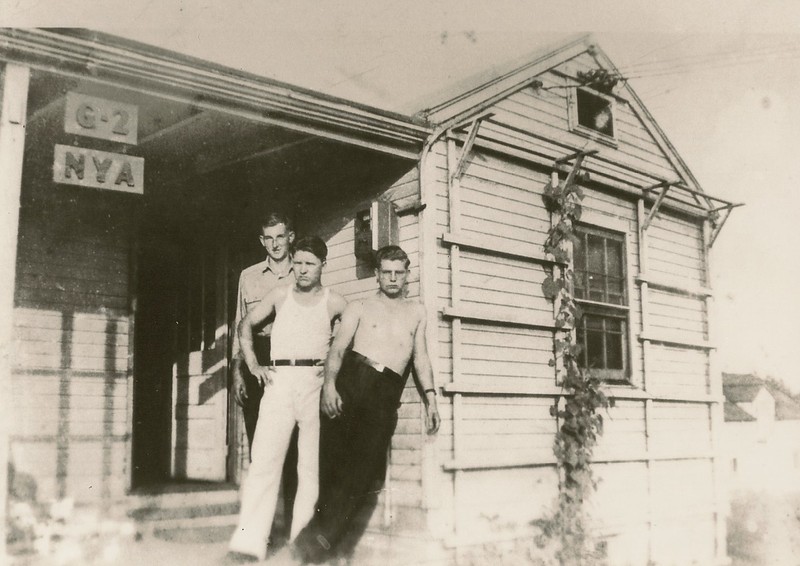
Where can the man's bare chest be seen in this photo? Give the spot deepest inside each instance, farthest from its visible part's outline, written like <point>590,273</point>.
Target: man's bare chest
<point>384,323</point>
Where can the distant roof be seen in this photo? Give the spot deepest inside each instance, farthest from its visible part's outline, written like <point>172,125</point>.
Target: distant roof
<point>741,388</point>
<point>786,408</point>
<point>734,413</point>
<point>744,387</point>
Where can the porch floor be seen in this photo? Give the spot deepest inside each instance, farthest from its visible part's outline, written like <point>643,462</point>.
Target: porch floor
<point>209,546</point>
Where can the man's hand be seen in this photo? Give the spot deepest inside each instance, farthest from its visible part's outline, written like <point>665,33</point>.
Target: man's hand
<point>238,386</point>
<point>261,373</point>
<point>432,419</point>
<point>330,402</point>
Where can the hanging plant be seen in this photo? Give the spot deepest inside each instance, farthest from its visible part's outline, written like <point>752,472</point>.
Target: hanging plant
<point>580,421</point>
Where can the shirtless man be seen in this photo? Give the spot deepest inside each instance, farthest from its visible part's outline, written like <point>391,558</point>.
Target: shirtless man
<point>359,402</point>
<point>304,317</point>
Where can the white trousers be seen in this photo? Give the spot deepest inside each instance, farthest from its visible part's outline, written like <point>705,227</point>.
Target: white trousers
<point>293,397</point>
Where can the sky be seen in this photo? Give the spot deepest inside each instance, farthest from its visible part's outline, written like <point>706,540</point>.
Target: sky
<point>721,79</point>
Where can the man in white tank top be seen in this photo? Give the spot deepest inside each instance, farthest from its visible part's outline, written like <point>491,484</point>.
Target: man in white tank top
<point>304,316</point>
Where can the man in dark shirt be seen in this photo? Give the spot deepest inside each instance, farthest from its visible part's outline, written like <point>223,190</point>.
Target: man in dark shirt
<point>255,282</point>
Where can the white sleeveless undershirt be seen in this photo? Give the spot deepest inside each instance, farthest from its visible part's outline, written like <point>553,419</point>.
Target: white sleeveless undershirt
<point>299,331</point>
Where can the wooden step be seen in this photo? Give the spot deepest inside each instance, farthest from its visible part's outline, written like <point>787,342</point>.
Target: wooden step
<point>159,513</point>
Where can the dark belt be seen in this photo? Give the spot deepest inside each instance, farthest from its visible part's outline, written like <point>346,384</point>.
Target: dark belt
<point>301,362</point>
<point>377,366</point>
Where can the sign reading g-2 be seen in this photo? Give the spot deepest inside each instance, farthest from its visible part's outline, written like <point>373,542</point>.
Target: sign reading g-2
<point>100,118</point>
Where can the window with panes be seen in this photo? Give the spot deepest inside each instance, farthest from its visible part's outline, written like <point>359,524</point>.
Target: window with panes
<point>601,291</point>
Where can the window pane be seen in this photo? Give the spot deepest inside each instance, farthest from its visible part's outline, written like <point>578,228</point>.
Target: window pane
<point>579,259</point>
<point>595,253</point>
<point>594,322</point>
<point>580,290</point>
<point>614,257</point>
<point>594,112</point>
<point>616,290</point>
<point>597,291</point>
<point>579,253</point>
<point>612,324</point>
<point>594,348</point>
<point>614,352</point>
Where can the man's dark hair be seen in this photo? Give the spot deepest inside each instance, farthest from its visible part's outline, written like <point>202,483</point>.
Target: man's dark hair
<point>274,218</point>
<point>312,244</point>
<point>391,253</point>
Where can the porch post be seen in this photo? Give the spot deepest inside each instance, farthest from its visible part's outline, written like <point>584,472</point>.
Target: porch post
<point>14,95</point>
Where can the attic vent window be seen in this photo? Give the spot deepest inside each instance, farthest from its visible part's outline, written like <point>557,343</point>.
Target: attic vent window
<point>592,113</point>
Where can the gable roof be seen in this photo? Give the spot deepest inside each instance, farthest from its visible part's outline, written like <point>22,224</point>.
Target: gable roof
<point>472,102</point>
<point>463,101</point>
<point>734,413</point>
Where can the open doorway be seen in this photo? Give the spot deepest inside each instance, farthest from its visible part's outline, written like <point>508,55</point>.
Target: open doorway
<point>181,352</point>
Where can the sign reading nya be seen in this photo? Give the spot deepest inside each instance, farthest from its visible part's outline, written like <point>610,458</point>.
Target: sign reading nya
<point>98,169</point>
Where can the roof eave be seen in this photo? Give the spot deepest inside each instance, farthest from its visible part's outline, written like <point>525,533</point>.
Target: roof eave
<point>105,57</point>
<point>484,95</point>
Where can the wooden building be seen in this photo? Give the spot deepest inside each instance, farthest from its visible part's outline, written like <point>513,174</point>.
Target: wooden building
<point>761,435</point>
<point>138,175</point>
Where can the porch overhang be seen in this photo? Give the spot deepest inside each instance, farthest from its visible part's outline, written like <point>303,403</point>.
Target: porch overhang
<point>106,58</point>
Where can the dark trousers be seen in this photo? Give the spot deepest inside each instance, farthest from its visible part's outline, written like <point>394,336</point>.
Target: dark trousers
<point>353,450</point>
<point>250,408</point>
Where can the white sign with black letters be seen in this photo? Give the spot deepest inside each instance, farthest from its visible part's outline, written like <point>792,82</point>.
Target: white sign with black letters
<point>98,169</point>
<point>100,118</point>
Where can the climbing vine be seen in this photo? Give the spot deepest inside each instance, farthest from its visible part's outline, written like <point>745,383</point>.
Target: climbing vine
<point>579,417</point>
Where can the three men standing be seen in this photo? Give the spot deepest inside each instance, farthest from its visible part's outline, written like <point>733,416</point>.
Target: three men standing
<point>342,459</point>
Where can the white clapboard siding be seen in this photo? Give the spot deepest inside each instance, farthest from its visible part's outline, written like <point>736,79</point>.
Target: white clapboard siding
<point>680,429</point>
<point>505,285</point>
<point>502,355</point>
<point>628,546</point>
<point>675,249</point>
<point>71,354</point>
<point>623,431</point>
<point>688,540</point>
<point>683,511</point>
<point>492,500</point>
<point>621,489</point>
<point>677,316</point>
<point>677,371</point>
<point>681,487</point>
<point>85,469</point>
<point>503,427</point>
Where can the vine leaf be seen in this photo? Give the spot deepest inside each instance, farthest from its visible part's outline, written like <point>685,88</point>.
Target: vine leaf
<point>550,288</point>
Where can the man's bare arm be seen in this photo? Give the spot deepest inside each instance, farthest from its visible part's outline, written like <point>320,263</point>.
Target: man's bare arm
<point>255,318</point>
<point>238,387</point>
<point>330,401</point>
<point>422,366</point>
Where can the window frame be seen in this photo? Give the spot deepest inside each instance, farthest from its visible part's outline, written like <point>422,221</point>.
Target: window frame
<point>574,123</point>
<point>620,312</point>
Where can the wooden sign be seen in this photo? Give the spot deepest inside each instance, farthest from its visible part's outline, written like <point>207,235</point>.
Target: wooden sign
<point>100,118</point>
<point>98,169</point>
